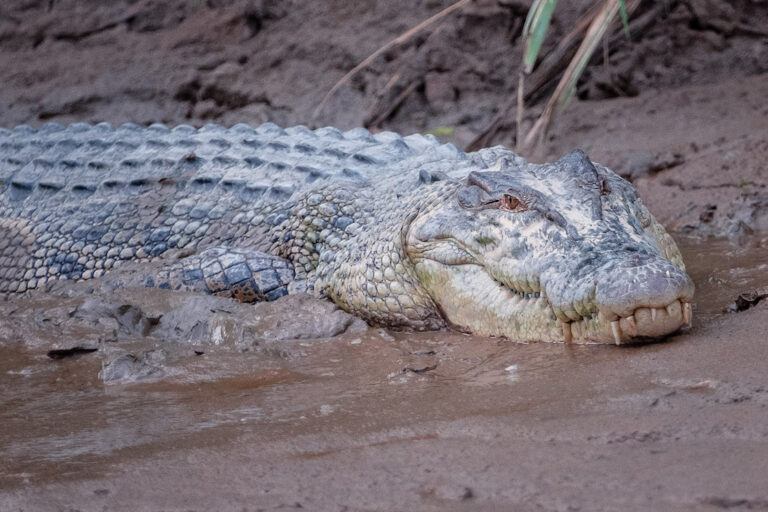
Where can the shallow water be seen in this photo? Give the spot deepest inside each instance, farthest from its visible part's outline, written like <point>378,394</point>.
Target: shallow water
<point>59,423</point>
<point>722,270</point>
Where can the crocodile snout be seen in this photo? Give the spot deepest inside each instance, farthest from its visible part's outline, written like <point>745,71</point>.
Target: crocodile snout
<point>646,302</point>
<point>632,298</point>
<point>653,284</point>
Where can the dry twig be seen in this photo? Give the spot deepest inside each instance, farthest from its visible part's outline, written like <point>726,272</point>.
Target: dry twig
<point>389,109</point>
<point>557,60</point>
<point>572,73</point>
<point>394,42</point>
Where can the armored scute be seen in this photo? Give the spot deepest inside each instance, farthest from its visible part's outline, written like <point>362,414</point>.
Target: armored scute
<point>405,232</point>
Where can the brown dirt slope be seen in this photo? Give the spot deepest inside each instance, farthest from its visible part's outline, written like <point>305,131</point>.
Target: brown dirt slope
<point>228,61</point>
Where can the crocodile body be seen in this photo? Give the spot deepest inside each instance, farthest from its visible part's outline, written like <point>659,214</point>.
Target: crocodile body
<point>402,231</point>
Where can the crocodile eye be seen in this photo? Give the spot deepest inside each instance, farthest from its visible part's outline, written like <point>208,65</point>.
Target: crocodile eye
<point>510,203</point>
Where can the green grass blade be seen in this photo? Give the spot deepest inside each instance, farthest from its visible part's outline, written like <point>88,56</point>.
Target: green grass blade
<point>624,16</point>
<point>567,85</point>
<point>534,30</point>
<point>535,7</point>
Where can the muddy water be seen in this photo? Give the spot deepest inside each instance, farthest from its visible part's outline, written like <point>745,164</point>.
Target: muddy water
<point>722,270</point>
<point>59,420</point>
<point>463,407</point>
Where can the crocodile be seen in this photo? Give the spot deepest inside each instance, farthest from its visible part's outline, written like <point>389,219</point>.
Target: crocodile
<point>405,232</point>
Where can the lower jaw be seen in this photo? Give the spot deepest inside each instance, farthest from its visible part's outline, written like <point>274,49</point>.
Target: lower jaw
<point>644,325</point>
<point>532,320</point>
<point>472,301</point>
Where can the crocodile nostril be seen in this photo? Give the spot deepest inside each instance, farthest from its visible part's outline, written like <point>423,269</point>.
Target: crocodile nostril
<point>639,283</point>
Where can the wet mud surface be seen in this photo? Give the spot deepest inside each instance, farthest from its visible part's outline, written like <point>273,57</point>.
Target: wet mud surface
<point>150,400</point>
<point>155,401</point>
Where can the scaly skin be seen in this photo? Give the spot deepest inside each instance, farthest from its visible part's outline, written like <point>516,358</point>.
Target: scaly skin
<point>404,232</point>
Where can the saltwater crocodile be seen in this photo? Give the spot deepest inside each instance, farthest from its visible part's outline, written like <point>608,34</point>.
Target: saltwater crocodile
<point>402,231</point>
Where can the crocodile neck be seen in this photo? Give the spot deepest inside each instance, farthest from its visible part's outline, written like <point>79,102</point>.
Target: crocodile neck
<point>349,246</point>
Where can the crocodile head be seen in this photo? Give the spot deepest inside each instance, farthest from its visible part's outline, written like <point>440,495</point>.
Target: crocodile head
<point>555,252</point>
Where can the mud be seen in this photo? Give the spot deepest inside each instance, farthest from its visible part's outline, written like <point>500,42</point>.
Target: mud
<point>157,418</point>
<point>138,399</point>
<point>141,333</point>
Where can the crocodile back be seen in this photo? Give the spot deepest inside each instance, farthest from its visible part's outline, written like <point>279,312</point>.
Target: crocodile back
<point>262,165</point>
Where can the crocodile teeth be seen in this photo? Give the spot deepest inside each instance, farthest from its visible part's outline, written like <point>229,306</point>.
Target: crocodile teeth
<point>671,308</point>
<point>567,333</point>
<point>616,329</point>
<point>653,314</point>
<point>632,325</point>
<point>687,313</point>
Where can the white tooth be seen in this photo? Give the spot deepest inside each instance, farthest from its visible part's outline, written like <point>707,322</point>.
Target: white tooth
<point>567,334</point>
<point>653,314</point>
<point>671,308</point>
<point>616,329</point>
<point>632,325</point>
<point>687,313</point>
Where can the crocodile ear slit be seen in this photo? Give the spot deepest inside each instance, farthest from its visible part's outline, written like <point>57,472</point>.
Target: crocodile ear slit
<point>605,187</point>
<point>474,197</point>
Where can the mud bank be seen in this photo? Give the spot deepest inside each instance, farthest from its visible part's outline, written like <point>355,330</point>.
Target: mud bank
<point>144,399</point>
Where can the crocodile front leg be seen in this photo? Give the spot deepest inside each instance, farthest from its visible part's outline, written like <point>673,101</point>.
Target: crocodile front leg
<point>244,275</point>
